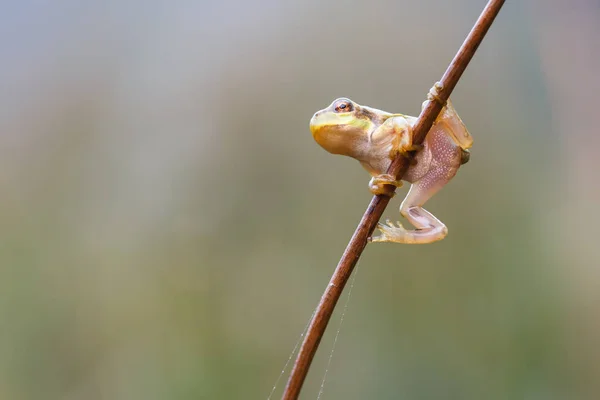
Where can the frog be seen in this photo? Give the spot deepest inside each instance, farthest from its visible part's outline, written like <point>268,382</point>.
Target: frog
<point>375,137</point>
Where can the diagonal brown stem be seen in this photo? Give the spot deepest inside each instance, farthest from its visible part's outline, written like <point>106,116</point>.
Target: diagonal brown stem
<point>379,203</point>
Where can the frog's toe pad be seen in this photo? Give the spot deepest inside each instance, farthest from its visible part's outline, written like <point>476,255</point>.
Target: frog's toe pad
<point>390,232</point>
<point>434,93</point>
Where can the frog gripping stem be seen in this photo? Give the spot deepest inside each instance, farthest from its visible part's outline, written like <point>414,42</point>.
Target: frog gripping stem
<point>377,185</point>
<point>434,93</point>
<point>379,202</point>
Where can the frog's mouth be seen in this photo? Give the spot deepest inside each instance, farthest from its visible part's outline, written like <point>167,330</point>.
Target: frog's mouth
<point>327,136</point>
<point>323,127</point>
<point>338,139</point>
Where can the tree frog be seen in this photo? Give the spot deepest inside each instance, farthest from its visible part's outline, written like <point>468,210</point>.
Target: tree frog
<point>375,137</point>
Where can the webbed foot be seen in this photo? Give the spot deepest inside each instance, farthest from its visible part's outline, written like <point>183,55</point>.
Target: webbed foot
<point>390,232</point>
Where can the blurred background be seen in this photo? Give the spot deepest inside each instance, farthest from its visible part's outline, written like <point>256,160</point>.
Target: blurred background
<point>168,224</point>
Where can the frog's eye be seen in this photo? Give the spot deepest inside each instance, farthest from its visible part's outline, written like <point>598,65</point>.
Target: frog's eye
<point>342,106</point>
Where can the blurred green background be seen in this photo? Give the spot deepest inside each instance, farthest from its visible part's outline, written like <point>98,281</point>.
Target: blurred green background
<point>167,223</point>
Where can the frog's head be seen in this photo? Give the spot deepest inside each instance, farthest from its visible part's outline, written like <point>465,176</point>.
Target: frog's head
<point>344,127</point>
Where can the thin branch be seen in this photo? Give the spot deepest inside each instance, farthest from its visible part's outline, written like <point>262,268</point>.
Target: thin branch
<point>379,203</point>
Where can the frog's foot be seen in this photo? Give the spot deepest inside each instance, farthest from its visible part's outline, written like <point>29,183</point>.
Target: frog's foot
<point>396,233</point>
<point>405,151</point>
<point>391,232</point>
<point>434,93</point>
<point>377,184</point>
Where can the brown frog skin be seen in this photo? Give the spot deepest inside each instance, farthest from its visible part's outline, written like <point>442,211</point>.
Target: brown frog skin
<point>375,137</point>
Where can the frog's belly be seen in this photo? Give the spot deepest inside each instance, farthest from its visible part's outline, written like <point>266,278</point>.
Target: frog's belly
<point>421,165</point>
<point>439,150</point>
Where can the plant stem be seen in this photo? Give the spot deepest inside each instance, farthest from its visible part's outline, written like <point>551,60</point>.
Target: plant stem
<point>378,204</point>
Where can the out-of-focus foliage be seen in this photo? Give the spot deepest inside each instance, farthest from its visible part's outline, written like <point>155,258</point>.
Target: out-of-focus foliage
<point>167,223</point>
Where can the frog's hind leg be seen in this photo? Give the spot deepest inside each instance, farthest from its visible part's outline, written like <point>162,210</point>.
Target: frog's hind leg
<point>429,228</point>
<point>450,122</point>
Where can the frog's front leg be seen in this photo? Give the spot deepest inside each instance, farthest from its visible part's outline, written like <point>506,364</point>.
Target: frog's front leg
<point>396,134</point>
<point>402,133</point>
<point>429,228</point>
